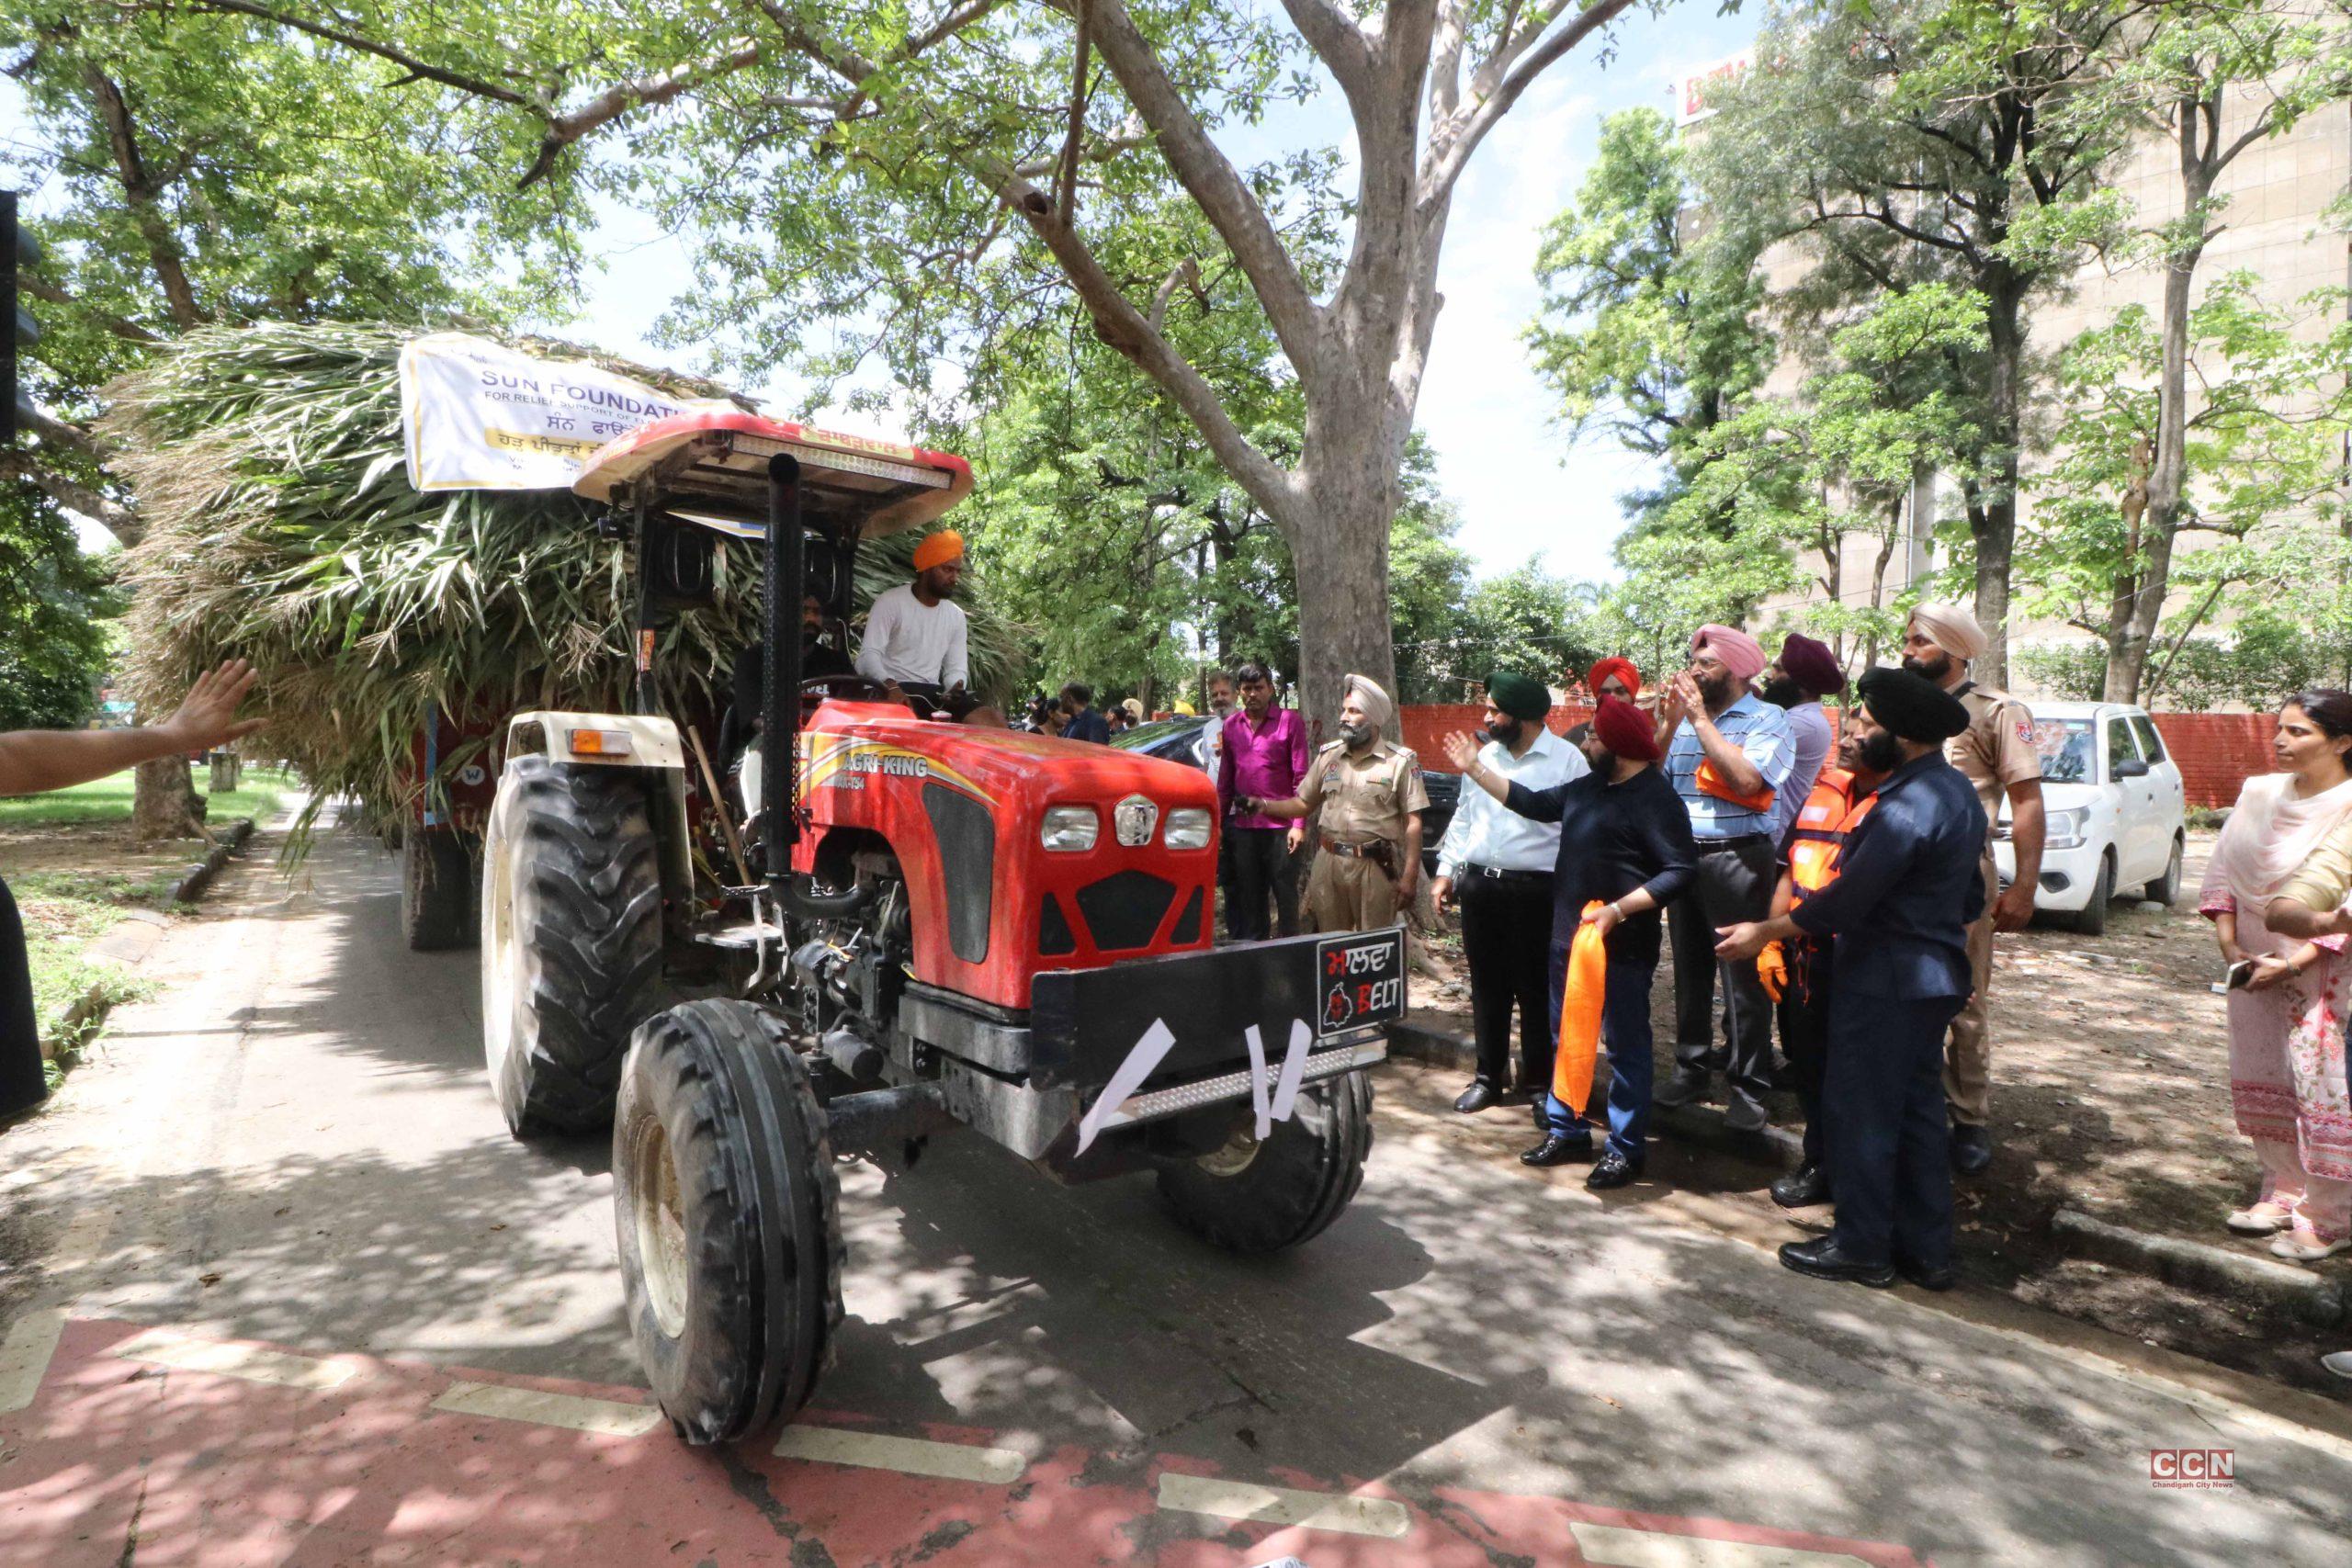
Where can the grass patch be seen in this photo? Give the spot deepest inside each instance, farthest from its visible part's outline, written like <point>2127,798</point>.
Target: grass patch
<point>108,800</point>
<point>63,911</point>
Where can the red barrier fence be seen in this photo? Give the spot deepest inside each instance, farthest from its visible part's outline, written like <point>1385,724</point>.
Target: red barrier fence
<point>2217,751</point>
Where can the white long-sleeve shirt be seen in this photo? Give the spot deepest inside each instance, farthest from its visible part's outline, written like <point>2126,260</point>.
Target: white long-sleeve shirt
<point>908,640</point>
<point>1485,832</point>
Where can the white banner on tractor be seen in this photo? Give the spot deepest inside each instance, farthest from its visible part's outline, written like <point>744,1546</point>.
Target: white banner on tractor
<point>480,416</point>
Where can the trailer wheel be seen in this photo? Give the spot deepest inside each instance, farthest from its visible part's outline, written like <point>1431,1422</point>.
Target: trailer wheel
<point>727,1212</point>
<point>438,886</point>
<point>571,940</point>
<point>1252,1197</point>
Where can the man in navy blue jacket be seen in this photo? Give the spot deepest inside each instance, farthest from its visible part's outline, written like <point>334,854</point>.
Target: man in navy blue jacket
<point>1908,885</point>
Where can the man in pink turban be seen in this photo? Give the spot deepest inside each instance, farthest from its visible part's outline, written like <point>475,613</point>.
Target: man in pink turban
<point>1729,759</point>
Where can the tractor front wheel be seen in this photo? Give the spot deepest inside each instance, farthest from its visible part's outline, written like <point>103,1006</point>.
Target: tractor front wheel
<point>727,1212</point>
<point>1252,1196</point>
<point>571,940</point>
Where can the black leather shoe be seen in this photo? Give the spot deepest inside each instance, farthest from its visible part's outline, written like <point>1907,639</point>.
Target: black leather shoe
<point>1972,1149</point>
<point>1476,1098</point>
<point>1801,1188</point>
<point>1687,1085</point>
<point>1941,1277</point>
<point>1824,1260</point>
<point>1614,1171</point>
<point>1556,1150</point>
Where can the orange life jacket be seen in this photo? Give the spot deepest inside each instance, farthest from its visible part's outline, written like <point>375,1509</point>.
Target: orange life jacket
<point>1830,813</point>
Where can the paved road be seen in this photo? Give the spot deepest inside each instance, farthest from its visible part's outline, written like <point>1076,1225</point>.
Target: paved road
<point>285,1291</point>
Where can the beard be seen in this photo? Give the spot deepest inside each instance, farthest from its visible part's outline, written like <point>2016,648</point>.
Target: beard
<point>1357,736</point>
<point>1719,690</point>
<point>1783,693</point>
<point>1939,671</point>
<point>1882,753</point>
<point>1507,733</point>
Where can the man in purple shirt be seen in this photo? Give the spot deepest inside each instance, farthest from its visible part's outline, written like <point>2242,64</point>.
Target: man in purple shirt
<point>1263,756</point>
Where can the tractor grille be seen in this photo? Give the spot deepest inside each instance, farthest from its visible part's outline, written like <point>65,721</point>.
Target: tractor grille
<point>1124,909</point>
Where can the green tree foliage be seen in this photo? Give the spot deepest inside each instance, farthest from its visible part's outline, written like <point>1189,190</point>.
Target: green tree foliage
<point>52,646</point>
<point>1647,334</point>
<point>1898,144</point>
<point>2261,446</point>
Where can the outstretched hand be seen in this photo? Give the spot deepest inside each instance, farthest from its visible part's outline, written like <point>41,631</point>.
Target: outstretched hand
<point>1462,751</point>
<point>1745,940</point>
<point>207,717</point>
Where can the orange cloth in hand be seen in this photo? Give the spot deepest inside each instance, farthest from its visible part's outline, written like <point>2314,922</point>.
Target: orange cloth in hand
<point>1772,969</point>
<point>1580,1016</point>
<point>1711,783</point>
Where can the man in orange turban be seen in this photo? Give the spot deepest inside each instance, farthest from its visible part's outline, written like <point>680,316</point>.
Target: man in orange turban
<point>915,636</point>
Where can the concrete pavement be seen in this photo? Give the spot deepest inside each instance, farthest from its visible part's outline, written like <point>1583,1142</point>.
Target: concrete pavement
<point>290,1153</point>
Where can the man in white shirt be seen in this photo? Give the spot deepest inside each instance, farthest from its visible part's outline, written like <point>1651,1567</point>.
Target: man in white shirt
<point>1499,865</point>
<point>915,633</point>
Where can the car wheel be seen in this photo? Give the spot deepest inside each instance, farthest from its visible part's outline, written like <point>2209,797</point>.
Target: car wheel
<point>2091,919</point>
<point>2165,889</point>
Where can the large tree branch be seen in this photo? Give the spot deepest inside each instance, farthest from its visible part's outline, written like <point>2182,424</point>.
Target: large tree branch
<point>1081,53</point>
<point>128,331</point>
<point>1222,196</point>
<point>1447,160</point>
<point>138,190</point>
<point>1128,330</point>
<point>75,496</point>
<point>1337,42</point>
<point>640,92</point>
<point>422,71</point>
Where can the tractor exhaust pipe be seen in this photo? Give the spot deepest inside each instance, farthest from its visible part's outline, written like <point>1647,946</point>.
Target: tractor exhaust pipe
<point>784,585</point>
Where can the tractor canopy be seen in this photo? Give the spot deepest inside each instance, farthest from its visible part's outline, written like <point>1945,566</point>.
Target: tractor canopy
<point>710,468</point>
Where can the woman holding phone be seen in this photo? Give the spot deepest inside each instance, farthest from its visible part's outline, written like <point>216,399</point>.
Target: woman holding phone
<point>2287,996</point>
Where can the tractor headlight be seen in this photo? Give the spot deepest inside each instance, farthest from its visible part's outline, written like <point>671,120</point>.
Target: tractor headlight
<point>1188,829</point>
<point>1070,828</point>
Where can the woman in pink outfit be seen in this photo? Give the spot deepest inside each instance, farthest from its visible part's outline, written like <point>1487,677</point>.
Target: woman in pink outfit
<point>2286,1072</point>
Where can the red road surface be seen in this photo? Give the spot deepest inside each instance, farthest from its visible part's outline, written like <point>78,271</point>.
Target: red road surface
<point>121,1461</point>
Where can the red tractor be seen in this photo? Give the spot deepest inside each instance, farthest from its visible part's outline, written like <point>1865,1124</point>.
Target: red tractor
<point>942,925</point>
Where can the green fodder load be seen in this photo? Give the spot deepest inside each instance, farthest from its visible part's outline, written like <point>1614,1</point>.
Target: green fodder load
<point>268,465</point>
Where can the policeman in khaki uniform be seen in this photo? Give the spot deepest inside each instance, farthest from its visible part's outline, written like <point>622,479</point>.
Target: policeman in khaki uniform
<point>1364,794</point>
<point>1996,754</point>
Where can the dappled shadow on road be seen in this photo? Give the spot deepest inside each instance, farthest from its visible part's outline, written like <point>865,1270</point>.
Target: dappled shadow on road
<point>1464,1321</point>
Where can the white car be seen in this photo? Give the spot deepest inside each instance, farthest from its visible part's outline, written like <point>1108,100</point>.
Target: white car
<point>2113,798</point>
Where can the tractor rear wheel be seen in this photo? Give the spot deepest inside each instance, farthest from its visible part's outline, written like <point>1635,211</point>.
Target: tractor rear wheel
<point>726,1207</point>
<point>437,887</point>
<point>1253,1196</point>
<point>571,940</point>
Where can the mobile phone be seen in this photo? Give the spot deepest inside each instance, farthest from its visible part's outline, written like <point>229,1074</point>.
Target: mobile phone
<point>2240,973</point>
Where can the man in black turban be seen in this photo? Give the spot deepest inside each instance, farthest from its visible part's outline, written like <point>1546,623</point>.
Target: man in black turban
<point>1907,890</point>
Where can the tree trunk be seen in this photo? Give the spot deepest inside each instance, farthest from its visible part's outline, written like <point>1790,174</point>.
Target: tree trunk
<point>1994,521</point>
<point>1339,544</point>
<point>2168,476</point>
<point>165,804</point>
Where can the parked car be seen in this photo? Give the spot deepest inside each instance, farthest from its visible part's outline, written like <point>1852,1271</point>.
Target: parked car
<point>1186,740</point>
<point>2116,809</point>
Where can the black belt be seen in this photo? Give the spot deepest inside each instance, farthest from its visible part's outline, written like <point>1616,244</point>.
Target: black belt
<point>1354,852</point>
<point>1708,846</point>
<point>1497,874</point>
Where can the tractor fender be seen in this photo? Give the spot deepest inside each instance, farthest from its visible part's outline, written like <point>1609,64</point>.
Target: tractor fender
<point>563,736</point>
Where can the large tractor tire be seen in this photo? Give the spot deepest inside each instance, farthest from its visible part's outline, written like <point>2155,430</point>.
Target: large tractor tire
<point>727,1212</point>
<point>571,940</point>
<point>438,889</point>
<point>1252,1197</point>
